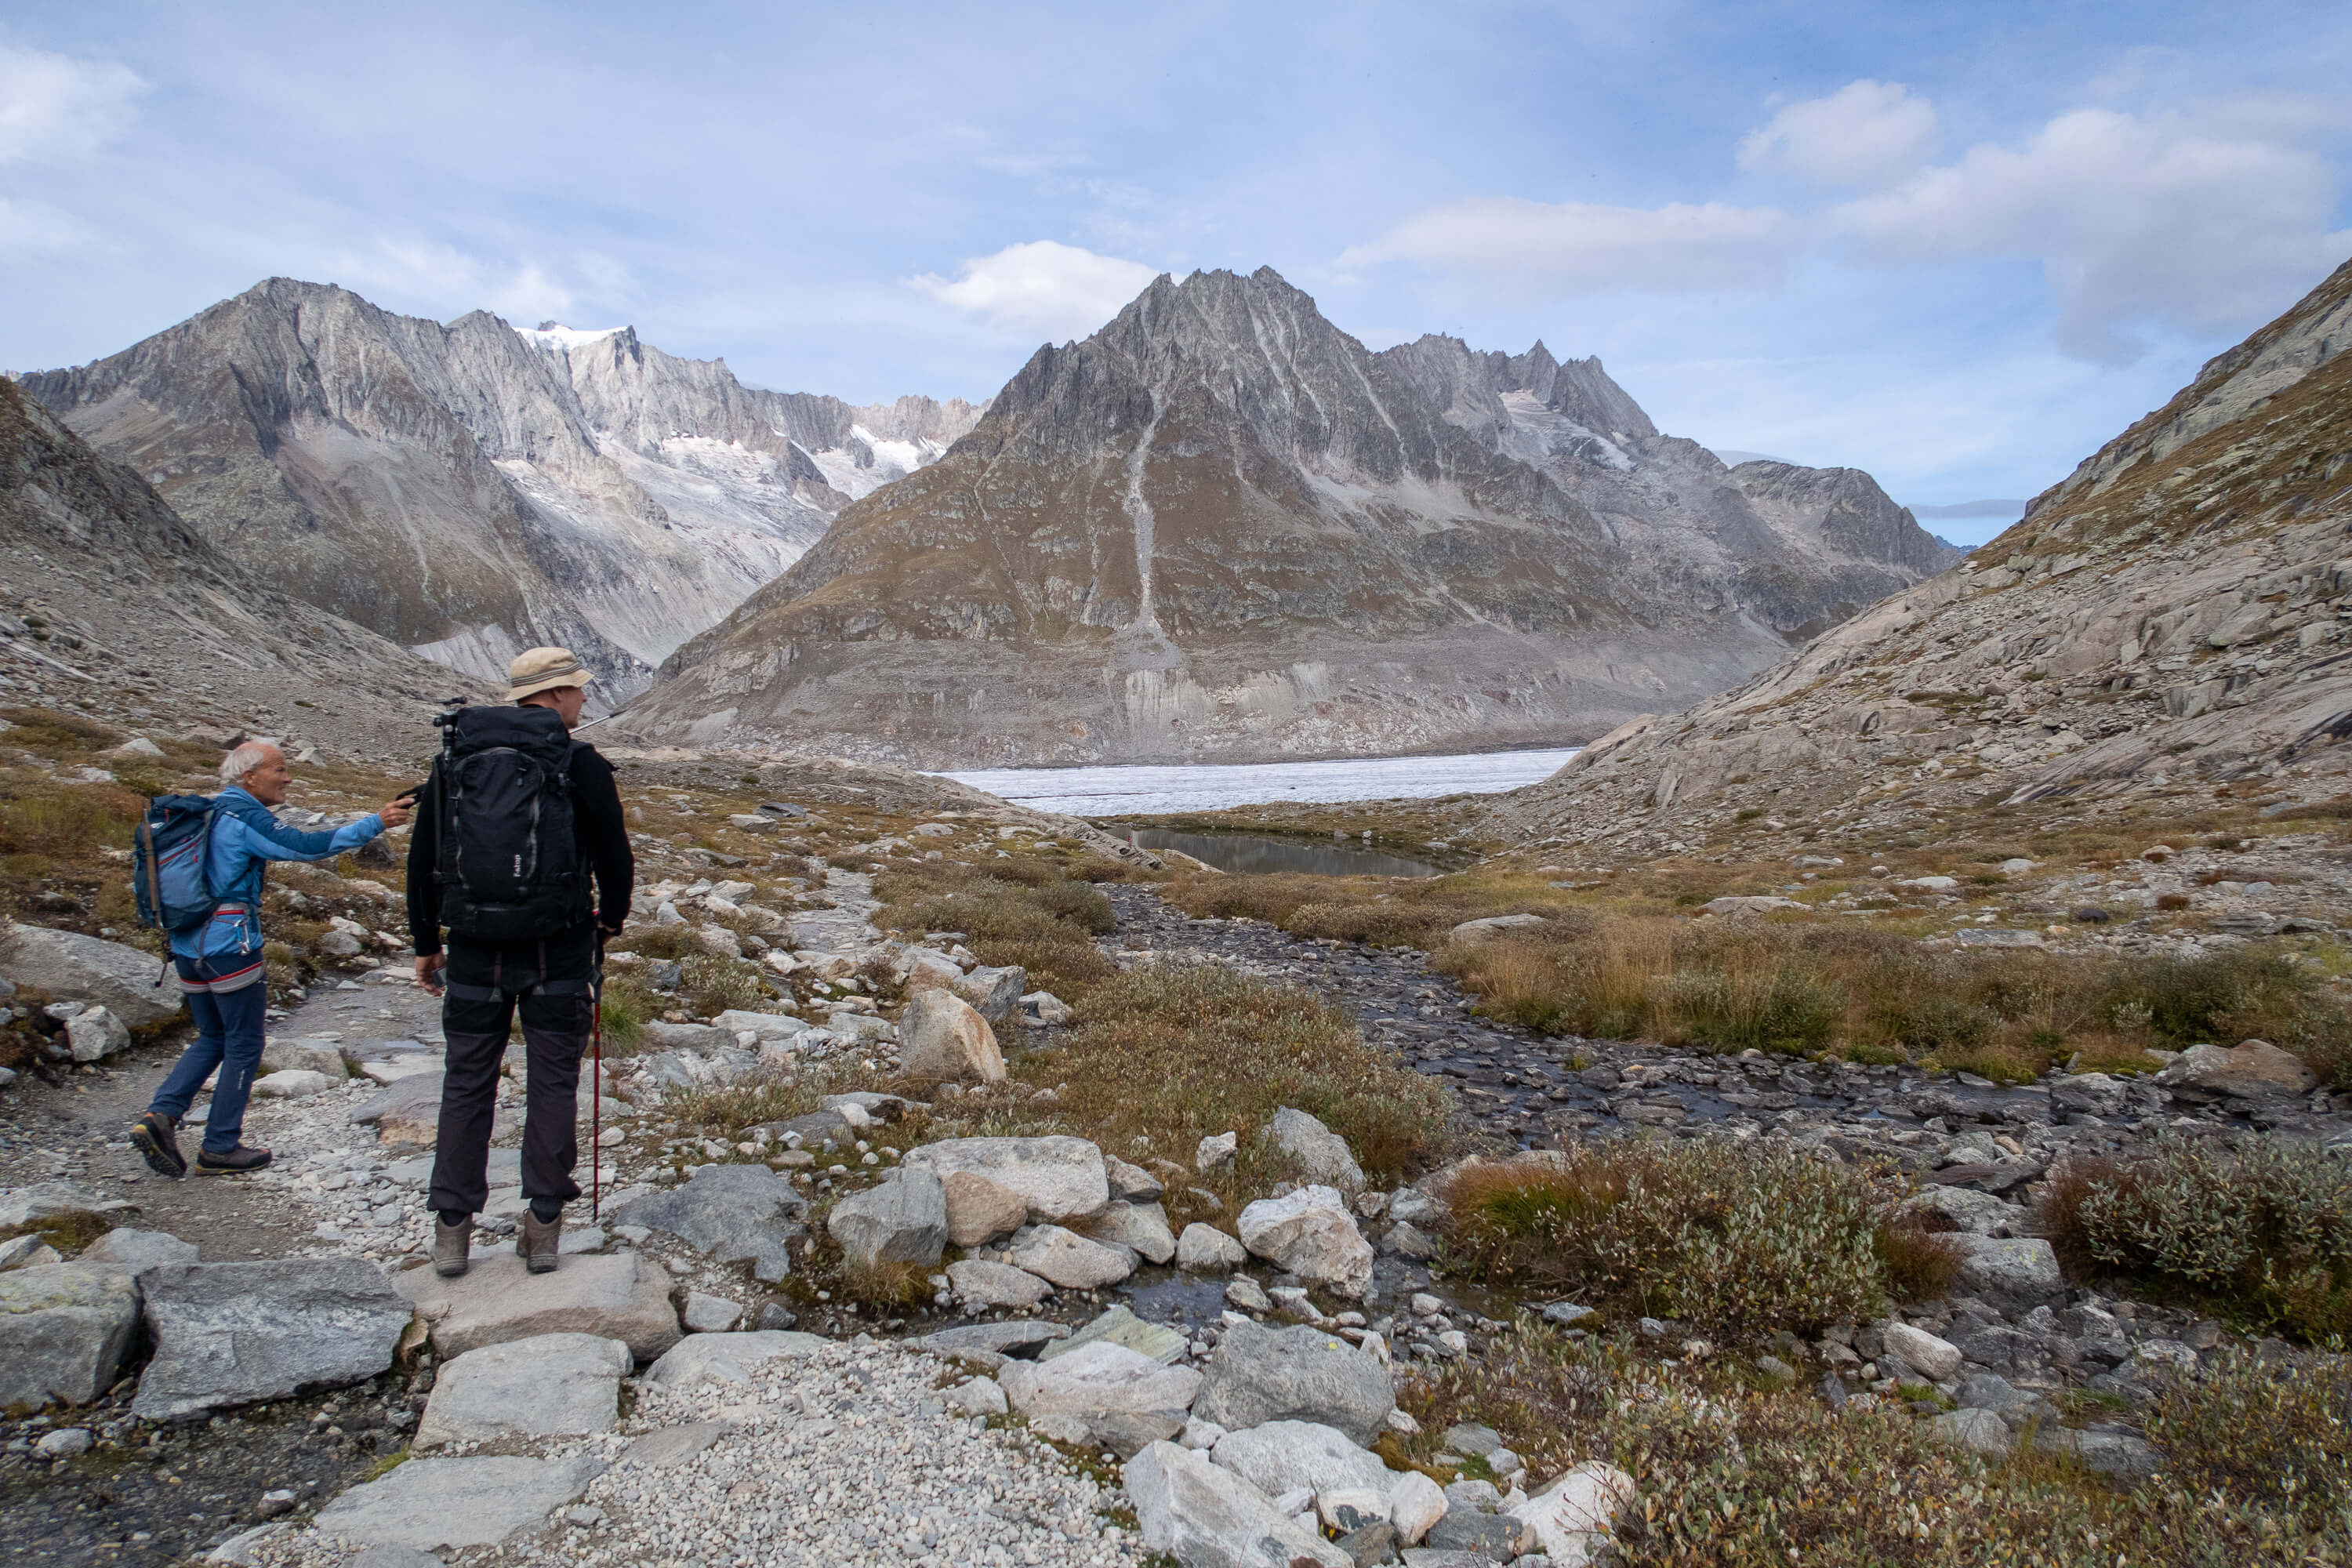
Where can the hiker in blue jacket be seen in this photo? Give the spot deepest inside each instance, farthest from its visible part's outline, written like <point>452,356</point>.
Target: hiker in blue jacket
<point>219,962</point>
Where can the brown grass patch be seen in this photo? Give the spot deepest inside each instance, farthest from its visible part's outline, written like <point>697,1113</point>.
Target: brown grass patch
<point>1163,1057</point>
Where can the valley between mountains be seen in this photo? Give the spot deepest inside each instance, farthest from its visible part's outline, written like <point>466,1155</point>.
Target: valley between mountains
<point>1888,1099</point>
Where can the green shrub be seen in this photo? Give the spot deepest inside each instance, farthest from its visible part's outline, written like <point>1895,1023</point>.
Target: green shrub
<point>1736,1239</point>
<point>2263,1230</point>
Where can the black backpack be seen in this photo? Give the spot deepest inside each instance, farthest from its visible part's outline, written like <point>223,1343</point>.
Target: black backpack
<point>510,866</point>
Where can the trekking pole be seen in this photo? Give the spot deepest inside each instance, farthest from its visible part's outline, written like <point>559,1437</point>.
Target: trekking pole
<point>596,1091</point>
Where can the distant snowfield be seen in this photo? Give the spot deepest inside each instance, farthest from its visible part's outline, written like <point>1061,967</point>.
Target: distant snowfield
<point>1111,791</point>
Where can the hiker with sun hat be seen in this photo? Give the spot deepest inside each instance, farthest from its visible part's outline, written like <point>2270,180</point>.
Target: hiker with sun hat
<point>516,821</point>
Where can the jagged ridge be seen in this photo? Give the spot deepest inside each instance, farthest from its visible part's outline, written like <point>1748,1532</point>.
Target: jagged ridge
<point>1220,526</point>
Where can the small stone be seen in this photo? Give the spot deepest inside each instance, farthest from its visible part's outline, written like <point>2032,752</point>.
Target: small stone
<point>65,1443</point>
<point>1215,1151</point>
<point>981,1285</point>
<point>1310,1234</point>
<point>708,1314</point>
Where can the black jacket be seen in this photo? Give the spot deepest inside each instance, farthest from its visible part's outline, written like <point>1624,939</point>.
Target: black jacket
<point>596,825</point>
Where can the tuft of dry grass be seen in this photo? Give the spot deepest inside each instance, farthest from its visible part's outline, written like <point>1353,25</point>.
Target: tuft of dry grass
<point>1021,911</point>
<point>1173,1053</point>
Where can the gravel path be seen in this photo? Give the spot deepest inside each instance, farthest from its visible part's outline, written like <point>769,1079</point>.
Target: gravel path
<point>847,1456</point>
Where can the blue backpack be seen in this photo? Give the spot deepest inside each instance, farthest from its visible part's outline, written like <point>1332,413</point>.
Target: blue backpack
<point>171,860</point>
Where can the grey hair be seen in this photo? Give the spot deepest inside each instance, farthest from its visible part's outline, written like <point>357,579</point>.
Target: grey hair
<point>246,756</point>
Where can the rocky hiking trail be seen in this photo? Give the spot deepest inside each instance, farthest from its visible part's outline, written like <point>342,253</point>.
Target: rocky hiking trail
<point>650,1401</point>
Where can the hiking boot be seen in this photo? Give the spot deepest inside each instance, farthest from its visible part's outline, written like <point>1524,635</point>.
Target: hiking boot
<point>539,1239</point>
<point>450,1244</point>
<point>231,1162</point>
<point>157,1138</point>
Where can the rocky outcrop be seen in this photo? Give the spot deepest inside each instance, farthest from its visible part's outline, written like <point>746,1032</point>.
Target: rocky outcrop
<point>105,591</point>
<point>2174,616</point>
<point>470,490</point>
<point>1221,527</point>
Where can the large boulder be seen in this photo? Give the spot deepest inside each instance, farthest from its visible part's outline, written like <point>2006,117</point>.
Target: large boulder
<point>733,1214</point>
<point>1205,1249</point>
<point>2014,1273</point>
<point>1960,1208</point>
<point>620,1296</point>
<point>1573,1517</point>
<point>900,1219</point>
<point>941,1035</point>
<point>728,1358</point>
<point>72,967</point>
<point>1068,1259</point>
<point>1299,1456</point>
<point>1058,1178</point>
<point>1310,1234</point>
<point>1478,932</point>
<point>230,1333</point>
<point>1139,1227</point>
<point>63,1330</point>
<point>2090,1093</point>
<point>435,1505</point>
<point>1258,1374</point>
<point>1203,1517</point>
<point>1938,1359</point>
<point>980,1211</point>
<point>1313,1149</point>
<point>981,1285</point>
<point>992,993</point>
<point>1097,1377</point>
<point>551,1385</point>
<point>2255,1071</point>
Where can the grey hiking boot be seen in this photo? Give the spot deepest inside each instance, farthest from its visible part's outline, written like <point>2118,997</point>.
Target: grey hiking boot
<point>540,1240</point>
<point>450,1245</point>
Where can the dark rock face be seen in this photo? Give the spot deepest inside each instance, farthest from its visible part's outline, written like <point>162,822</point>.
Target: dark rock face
<point>1221,527</point>
<point>469,489</point>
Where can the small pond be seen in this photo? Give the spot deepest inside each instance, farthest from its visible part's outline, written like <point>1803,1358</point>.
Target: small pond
<point>1240,852</point>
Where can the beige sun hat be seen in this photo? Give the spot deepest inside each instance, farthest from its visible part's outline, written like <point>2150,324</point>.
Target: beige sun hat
<point>543,669</point>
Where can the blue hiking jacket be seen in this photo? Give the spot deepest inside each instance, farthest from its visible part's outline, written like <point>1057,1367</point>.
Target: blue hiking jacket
<point>245,837</point>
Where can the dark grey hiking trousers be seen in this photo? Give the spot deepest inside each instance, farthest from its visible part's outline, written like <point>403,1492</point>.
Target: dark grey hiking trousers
<point>551,982</point>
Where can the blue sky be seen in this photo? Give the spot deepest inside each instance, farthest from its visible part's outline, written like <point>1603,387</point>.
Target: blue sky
<point>1958,246</point>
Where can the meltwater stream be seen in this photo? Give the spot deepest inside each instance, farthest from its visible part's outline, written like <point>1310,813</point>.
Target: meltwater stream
<point>1157,789</point>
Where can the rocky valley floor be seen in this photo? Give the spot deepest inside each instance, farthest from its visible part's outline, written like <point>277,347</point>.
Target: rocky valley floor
<point>876,1281</point>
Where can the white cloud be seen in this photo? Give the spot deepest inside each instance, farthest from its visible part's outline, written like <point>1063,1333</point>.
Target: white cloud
<point>2134,220</point>
<point>1039,287</point>
<point>1866,133</point>
<point>53,106</point>
<point>1579,248</point>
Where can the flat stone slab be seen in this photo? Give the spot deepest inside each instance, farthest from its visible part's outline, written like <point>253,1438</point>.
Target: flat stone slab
<point>672,1445</point>
<point>551,1385</point>
<point>994,1338</point>
<point>1060,1178</point>
<point>729,1358</point>
<point>1120,1326</point>
<point>435,1504</point>
<point>732,1214</point>
<point>616,1296</point>
<point>230,1333</point>
<point>406,1111</point>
